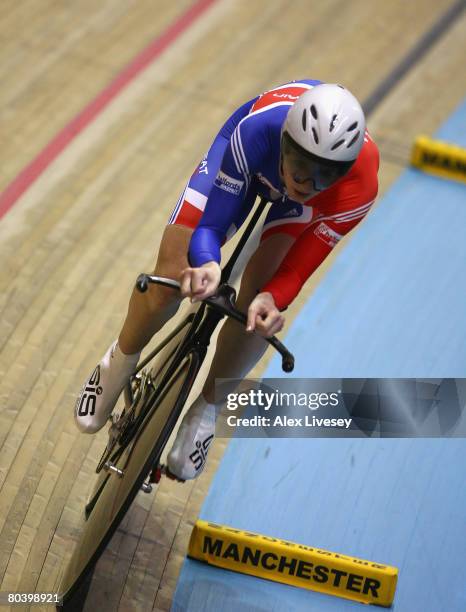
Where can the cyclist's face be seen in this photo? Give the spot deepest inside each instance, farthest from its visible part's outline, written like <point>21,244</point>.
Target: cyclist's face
<point>298,182</point>
<point>306,175</point>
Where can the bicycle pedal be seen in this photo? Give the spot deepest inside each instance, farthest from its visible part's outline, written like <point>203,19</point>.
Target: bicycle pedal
<point>147,488</point>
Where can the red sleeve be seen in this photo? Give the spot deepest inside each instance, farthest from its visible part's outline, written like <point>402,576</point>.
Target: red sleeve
<point>339,210</point>
<point>304,257</point>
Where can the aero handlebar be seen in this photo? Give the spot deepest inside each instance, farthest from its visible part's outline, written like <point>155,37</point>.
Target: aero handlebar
<point>223,301</point>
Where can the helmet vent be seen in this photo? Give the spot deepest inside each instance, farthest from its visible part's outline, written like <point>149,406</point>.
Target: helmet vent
<point>304,119</point>
<point>316,138</point>
<point>337,144</point>
<point>353,140</point>
<point>352,127</point>
<point>332,123</point>
<point>313,111</point>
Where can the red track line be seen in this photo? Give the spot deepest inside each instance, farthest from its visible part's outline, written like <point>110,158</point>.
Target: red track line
<point>42,161</point>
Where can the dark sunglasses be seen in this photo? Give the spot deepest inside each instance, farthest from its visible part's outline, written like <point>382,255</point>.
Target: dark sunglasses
<point>305,166</point>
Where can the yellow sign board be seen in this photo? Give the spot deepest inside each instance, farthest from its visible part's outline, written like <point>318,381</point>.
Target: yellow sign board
<point>441,158</point>
<point>294,564</point>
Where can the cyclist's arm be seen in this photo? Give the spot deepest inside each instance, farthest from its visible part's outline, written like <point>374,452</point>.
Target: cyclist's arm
<point>311,249</point>
<point>303,259</point>
<point>346,206</point>
<point>226,200</point>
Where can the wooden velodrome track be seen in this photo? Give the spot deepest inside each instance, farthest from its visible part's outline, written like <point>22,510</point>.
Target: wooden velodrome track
<point>73,243</point>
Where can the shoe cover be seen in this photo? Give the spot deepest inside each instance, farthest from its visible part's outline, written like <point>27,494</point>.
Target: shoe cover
<point>99,395</point>
<point>188,455</point>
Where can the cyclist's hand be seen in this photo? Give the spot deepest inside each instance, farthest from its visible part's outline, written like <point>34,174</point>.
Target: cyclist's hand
<point>263,316</point>
<point>200,283</point>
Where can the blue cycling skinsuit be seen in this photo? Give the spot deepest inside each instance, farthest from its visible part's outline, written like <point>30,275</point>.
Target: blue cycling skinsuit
<point>244,162</point>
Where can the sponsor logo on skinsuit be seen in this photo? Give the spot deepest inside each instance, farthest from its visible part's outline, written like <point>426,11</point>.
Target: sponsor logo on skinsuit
<point>293,212</point>
<point>287,96</point>
<point>228,183</point>
<point>203,166</point>
<point>327,235</point>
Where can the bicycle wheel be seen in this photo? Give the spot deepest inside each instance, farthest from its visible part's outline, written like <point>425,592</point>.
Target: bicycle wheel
<point>121,484</point>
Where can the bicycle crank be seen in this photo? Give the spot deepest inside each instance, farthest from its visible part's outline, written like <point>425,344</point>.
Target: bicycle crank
<point>159,469</point>
<point>110,467</point>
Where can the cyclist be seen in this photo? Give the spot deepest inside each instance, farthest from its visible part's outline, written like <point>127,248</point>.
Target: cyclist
<point>304,146</point>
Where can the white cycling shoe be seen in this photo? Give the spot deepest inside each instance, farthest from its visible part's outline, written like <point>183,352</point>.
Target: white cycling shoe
<point>100,393</point>
<point>187,458</point>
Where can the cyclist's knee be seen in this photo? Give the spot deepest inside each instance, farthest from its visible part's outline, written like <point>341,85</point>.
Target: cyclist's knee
<point>160,298</point>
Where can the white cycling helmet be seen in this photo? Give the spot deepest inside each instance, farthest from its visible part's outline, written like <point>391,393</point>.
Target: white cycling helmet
<point>325,127</point>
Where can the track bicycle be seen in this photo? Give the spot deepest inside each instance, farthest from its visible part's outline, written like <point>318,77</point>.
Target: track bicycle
<point>153,401</point>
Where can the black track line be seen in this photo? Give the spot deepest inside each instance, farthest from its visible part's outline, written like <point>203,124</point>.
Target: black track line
<point>412,58</point>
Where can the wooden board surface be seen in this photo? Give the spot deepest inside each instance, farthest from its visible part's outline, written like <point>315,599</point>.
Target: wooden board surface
<point>73,244</point>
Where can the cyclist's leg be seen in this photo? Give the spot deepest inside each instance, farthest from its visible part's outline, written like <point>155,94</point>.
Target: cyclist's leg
<point>238,351</point>
<point>148,312</point>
